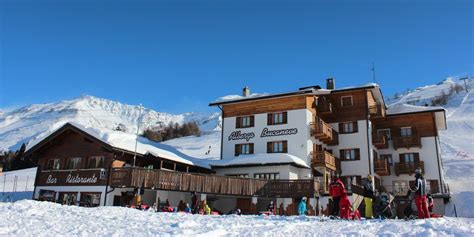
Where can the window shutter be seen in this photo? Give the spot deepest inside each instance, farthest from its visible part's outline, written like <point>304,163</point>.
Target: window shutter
<point>342,156</point>
<point>251,148</point>
<point>285,117</point>
<point>269,147</point>
<point>357,153</point>
<point>269,119</point>
<point>285,146</point>
<point>252,121</point>
<point>341,127</point>
<point>238,122</point>
<point>356,128</point>
<point>402,158</point>
<point>237,149</point>
<point>416,157</point>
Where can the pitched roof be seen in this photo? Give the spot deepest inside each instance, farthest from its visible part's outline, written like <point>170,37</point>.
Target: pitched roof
<point>122,141</point>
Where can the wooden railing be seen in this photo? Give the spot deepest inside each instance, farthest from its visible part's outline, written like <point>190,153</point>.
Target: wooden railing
<point>407,142</point>
<point>323,159</point>
<point>381,166</point>
<point>204,183</point>
<point>380,140</point>
<point>408,167</point>
<point>325,108</point>
<point>323,131</point>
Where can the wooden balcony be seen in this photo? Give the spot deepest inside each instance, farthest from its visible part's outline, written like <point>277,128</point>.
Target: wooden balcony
<point>407,142</point>
<point>323,159</point>
<point>382,167</point>
<point>380,141</point>
<point>205,183</point>
<point>323,132</point>
<point>376,111</point>
<point>408,167</point>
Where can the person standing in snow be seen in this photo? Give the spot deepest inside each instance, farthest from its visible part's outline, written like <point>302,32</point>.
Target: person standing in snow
<point>420,195</point>
<point>345,206</point>
<point>271,208</point>
<point>194,203</point>
<point>336,188</point>
<point>302,207</point>
<point>368,196</point>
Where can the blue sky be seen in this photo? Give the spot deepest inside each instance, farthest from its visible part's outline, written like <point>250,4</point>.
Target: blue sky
<point>178,56</point>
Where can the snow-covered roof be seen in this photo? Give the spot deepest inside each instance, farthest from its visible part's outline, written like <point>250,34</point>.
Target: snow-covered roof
<point>406,108</point>
<point>126,142</point>
<point>261,159</point>
<point>357,87</point>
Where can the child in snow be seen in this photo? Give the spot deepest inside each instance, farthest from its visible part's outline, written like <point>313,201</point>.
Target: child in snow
<point>187,209</point>
<point>302,207</point>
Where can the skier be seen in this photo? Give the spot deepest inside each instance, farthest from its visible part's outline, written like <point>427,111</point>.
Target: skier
<point>194,203</point>
<point>335,190</point>
<point>368,197</point>
<point>420,195</point>
<point>187,209</point>
<point>302,207</point>
<point>271,208</point>
<point>345,206</point>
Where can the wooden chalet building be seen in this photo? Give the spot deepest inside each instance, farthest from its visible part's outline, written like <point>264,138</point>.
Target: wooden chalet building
<point>319,133</point>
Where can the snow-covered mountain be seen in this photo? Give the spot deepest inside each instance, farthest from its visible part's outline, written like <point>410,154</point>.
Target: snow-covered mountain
<point>457,142</point>
<point>22,125</point>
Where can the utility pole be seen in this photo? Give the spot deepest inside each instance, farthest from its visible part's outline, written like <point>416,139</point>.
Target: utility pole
<point>465,84</point>
<point>136,138</point>
<point>373,72</point>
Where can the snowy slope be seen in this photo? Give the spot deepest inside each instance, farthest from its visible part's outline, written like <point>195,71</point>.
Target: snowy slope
<point>24,124</point>
<point>32,218</point>
<point>206,146</point>
<point>457,142</point>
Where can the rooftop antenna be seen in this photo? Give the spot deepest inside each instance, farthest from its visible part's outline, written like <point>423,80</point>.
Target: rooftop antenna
<point>465,84</point>
<point>136,138</point>
<point>373,72</point>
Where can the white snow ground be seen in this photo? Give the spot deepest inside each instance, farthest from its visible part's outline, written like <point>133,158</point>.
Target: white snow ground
<point>33,218</point>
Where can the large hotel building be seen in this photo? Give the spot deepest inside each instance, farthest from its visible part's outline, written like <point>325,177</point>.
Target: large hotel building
<point>277,147</point>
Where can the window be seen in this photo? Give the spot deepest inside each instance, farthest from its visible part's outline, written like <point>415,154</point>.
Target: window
<point>406,132</point>
<point>243,149</point>
<point>384,132</point>
<point>346,101</point>
<point>348,127</point>
<point>387,157</point>
<point>96,162</point>
<point>245,122</point>
<point>400,187</point>
<point>277,147</point>
<point>350,154</point>
<point>349,181</point>
<point>267,176</point>
<point>53,164</point>
<point>90,199</point>
<point>409,158</point>
<point>73,163</point>
<point>277,118</point>
<point>238,175</point>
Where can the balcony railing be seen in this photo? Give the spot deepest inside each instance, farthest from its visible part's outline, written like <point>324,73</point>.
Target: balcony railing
<point>408,167</point>
<point>380,140</point>
<point>381,166</point>
<point>323,159</point>
<point>323,131</point>
<point>205,183</point>
<point>407,142</point>
<point>325,108</point>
